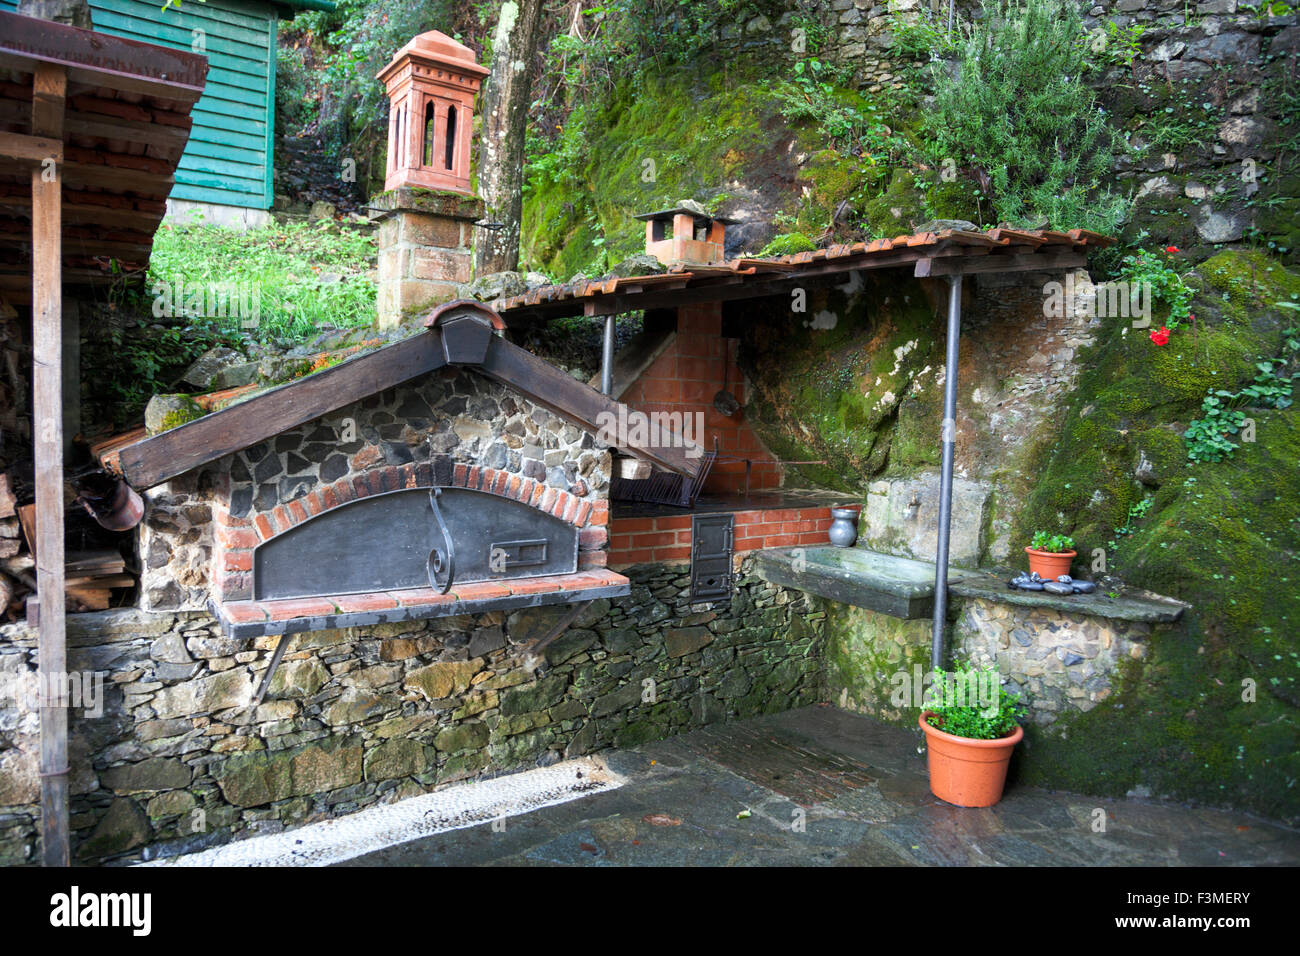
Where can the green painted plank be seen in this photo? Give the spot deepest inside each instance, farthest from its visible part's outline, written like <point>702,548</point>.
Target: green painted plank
<point>250,14</point>
<point>222,53</point>
<point>173,27</point>
<point>212,194</point>
<point>224,116</point>
<point>246,186</point>
<point>268,195</point>
<point>255,142</point>
<point>229,93</point>
<point>224,151</point>
<point>218,166</point>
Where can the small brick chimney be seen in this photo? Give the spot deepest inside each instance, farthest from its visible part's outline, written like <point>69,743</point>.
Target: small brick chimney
<point>685,234</point>
<point>427,211</point>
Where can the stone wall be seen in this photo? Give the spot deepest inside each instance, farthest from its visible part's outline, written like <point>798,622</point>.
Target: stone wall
<point>1217,65</point>
<point>178,760</point>
<point>1056,661</point>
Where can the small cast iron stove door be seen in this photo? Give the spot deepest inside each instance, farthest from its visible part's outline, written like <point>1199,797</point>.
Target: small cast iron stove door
<point>384,543</point>
<point>711,550</point>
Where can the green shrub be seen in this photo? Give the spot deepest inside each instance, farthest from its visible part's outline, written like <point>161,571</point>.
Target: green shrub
<point>1016,108</point>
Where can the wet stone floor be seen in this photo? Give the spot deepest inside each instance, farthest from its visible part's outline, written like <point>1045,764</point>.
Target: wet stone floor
<point>825,787</point>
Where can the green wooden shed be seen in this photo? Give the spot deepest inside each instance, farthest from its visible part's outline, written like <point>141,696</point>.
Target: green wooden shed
<point>228,161</point>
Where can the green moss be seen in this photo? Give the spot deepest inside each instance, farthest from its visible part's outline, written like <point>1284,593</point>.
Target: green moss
<point>954,200</point>
<point>787,244</point>
<point>188,412</point>
<point>894,211</point>
<point>1223,537</point>
<point>827,383</point>
<point>648,144</point>
<point>697,133</point>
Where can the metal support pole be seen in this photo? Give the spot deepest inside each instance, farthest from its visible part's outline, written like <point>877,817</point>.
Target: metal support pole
<point>949,438</point>
<point>607,359</point>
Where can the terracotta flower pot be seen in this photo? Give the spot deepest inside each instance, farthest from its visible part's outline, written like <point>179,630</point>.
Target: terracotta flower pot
<point>964,771</point>
<point>1050,565</point>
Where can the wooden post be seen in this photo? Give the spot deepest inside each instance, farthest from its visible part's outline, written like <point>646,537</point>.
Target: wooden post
<point>48,94</point>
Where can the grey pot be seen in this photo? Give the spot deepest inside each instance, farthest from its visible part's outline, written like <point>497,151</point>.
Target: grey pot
<point>844,527</point>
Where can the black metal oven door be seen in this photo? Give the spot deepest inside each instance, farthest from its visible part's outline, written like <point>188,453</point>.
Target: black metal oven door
<point>712,545</point>
<point>389,542</point>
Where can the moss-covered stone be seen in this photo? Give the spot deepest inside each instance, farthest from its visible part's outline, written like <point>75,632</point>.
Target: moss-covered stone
<point>1211,712</point>
<point>124,826</point>
<point>398,757</point>
<point>828,382</point>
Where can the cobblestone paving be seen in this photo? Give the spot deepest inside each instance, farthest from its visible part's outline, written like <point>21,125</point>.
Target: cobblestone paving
<point>825,787</point>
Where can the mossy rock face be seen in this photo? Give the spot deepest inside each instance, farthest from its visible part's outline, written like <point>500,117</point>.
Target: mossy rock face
<point>827,382</point>
<point>165,412</point>
<point>954,200</point>
<point>894,210</point>
<point>645,146</point>
<point>708,132</point>
<point>1211,712</point>
<point>1278,218</point>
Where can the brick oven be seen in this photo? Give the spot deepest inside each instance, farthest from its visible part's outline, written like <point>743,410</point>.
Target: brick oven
<point>452,473</point>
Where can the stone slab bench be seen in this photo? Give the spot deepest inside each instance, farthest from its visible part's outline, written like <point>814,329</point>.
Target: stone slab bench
<point>904,587</point>
<point>900,587</point>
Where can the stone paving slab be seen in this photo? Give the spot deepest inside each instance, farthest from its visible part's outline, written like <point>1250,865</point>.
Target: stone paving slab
<point>826,787</point>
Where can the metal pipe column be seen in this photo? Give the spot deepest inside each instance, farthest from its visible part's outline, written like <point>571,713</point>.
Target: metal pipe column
<point>949,438</point>
<point>607,358</point>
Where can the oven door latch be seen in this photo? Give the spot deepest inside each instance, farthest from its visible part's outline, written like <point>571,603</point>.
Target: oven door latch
<point>440,561</point>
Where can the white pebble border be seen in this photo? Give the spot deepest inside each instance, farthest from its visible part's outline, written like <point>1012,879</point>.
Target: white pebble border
<point>375,828</point>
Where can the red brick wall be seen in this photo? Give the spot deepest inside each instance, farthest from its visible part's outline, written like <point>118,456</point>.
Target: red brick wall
<point>668,539</point>
<point>686,377</point>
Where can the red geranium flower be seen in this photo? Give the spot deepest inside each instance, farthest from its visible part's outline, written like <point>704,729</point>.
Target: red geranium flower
<point>1171,248</point>
<point>1160,336</point>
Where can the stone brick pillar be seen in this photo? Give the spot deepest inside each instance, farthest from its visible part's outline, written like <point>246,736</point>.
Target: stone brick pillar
<point>426,240</point>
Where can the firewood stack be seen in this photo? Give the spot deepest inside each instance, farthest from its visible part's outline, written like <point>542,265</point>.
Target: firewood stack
<point>95,578</point>
<point>17,576</point>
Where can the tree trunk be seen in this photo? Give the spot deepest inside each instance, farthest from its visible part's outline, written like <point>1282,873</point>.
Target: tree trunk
<point>506,96</point>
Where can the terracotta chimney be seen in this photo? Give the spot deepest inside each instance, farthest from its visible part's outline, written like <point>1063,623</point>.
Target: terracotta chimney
<point>431,84</point>
<point>427,211</point>
<point>685,233</point>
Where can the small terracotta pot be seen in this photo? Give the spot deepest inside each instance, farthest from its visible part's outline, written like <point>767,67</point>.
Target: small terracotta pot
<point>1050,565</point>
<point>964,771</point>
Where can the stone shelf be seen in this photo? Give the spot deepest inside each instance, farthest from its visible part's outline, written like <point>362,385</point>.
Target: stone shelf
<point>904,587</point>
<point>1129,604</point>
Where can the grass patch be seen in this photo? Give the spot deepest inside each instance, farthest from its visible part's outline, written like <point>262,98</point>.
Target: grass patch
<point>300,277</point>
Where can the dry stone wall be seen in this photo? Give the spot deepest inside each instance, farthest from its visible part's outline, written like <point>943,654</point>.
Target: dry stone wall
<point>178,759</point>
<point>1057,662</point>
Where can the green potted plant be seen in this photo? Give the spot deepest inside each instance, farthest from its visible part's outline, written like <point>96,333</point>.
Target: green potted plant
<point>971,725</point>
<point>1050,555</point>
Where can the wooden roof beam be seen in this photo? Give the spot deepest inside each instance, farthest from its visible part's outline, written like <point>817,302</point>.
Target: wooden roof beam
<point>189,446</point>
<point>1026,262</point>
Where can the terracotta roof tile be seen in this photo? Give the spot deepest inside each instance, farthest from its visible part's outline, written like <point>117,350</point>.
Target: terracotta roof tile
<point>984,244</point>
